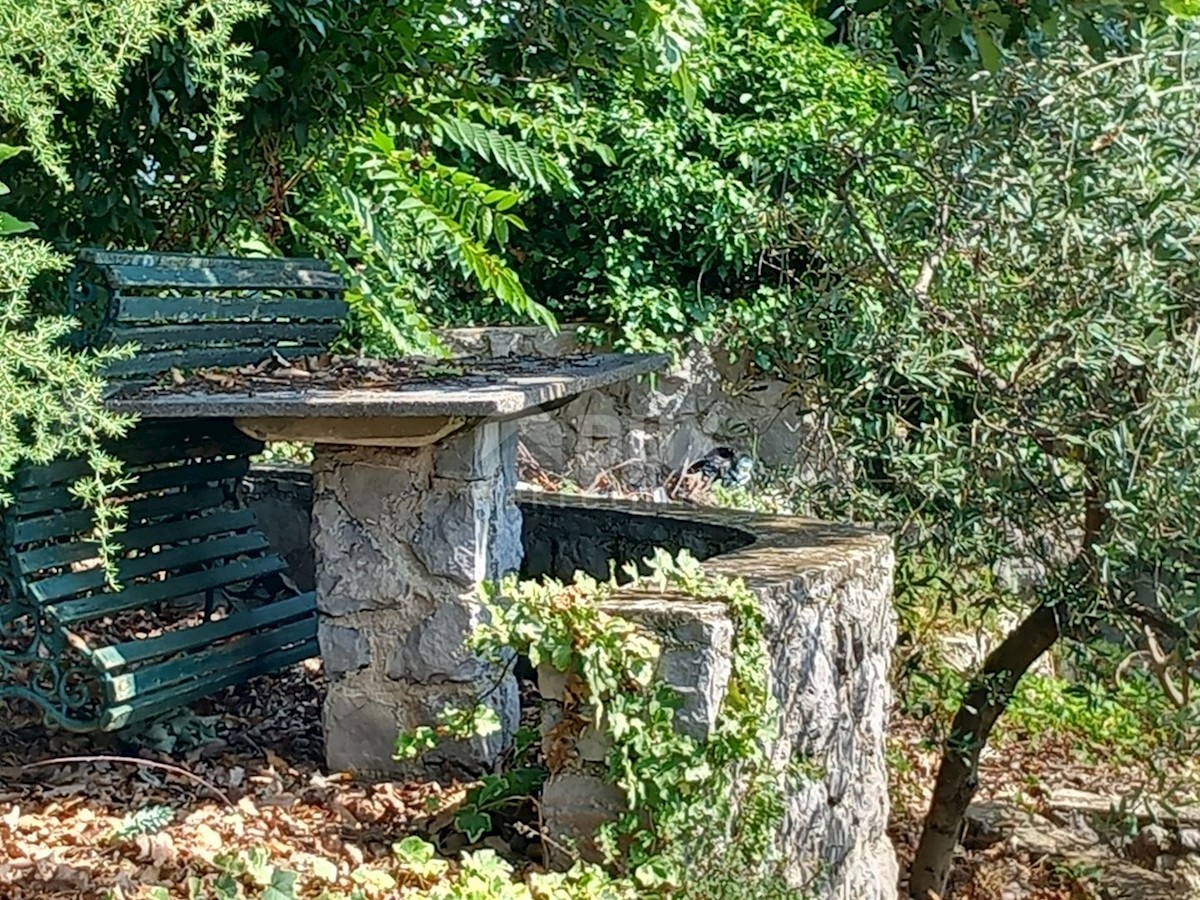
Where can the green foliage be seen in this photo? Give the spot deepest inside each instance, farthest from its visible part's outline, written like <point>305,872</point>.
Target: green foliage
<point>50,396</point>
<point>405,210</point>
<point>53,52</point>
<point>702,813</point>
<point>57,50</point>
<point>687,224</point>
<point>927,30</point>
<point>147,820</point>
<point>430,224</point>
<point>415,871</point>
<point>1129,721</point>
<point>1003,345</point>
<point>1005,342</point>
<point>502,792</point>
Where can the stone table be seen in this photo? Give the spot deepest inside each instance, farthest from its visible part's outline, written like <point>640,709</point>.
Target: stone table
<point>412,508</point>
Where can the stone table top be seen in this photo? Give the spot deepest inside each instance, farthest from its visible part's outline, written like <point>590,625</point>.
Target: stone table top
<point>522,389</point>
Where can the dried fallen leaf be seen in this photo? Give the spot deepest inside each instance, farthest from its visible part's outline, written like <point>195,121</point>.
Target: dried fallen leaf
<point>157,848</point>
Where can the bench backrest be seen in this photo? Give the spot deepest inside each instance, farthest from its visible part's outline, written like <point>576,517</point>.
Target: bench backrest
<point>184,534</point>
<point>190,312</point>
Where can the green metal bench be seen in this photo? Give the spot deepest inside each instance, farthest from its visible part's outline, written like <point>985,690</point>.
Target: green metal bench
<point>204,603</point>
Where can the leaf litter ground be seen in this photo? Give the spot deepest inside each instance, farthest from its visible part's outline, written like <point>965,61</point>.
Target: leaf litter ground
<point>260,745</point>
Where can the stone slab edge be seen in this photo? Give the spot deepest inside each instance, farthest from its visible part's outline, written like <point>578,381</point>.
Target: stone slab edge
<point>787,550</point>
<point>517,395</point>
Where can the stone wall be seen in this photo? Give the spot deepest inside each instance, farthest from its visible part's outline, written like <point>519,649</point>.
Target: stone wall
<point>649,427</point>
<point>831,628</point>
<point>402,537</point>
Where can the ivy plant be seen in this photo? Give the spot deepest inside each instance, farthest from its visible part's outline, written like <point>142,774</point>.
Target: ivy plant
<point>700,815</point>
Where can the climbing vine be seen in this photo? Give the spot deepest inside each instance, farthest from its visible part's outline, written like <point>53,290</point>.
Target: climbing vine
<point>701,814</point>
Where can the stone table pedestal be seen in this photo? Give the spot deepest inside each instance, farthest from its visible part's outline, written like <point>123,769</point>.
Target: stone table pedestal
<point>402,537</point>
<point>412,509</point>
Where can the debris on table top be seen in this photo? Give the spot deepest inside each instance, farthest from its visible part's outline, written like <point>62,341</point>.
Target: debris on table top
<point>341,373</point>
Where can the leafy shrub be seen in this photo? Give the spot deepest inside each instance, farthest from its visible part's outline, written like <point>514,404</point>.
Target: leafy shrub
<point>701,815</point>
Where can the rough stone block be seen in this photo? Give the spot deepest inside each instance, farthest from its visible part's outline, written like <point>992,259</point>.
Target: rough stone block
<point>356,726</point>
<point>599,419</point>
<point>451,539</point>
<point>343,649</point>
<point>695,639</point>
<point>435,651</point>
<point>552,684</point>
<point>830,629</point>
<point>477,754</point>
<point>402,536</point>
<point>472,455</point>
<point>575,805</point>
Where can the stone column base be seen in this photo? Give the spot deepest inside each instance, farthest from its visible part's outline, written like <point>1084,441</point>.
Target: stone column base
<point>402,537</point>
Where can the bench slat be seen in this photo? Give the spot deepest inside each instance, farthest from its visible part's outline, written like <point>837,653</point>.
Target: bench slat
<point>79,521</point>
<point>129,653</point>
<point>141,595</point>
<point>148,447</point>
<point>41,500</point>
<point>259,334</point>
<point>202,358</point>
<point>203,665</point>
<point>58,555</point>
<point>115,717</point>
<point>59,587</point>
<point>224,309</point>
<point>182,259</point>
<point>222,274</point>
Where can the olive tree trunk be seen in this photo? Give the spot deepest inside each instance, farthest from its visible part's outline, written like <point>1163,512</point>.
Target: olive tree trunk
<point>958,776</point>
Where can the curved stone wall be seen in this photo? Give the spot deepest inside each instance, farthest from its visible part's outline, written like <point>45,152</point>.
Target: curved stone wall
<point>826,590</point>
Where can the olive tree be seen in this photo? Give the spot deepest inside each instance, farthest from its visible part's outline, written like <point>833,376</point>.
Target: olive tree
<point>1007,332</point>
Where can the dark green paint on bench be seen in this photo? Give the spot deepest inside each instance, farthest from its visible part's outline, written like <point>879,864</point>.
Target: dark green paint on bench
<point>187,538</point>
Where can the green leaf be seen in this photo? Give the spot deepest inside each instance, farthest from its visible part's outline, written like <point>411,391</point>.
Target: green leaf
<point>989,53</point>
<point>473,824</point>
<point>8,151</point>
<point>325,870</point>
<point>282,886</point>
<point>12,225</point>
<point>413,850</point>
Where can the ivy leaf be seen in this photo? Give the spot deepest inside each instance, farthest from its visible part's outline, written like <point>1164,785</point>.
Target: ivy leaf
<point>325,870</point>
<point>473,824</point>
<point>989,53</point>
<point>282,886</point>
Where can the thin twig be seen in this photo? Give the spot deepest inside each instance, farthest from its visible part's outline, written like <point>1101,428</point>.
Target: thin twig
<point>135,761</point>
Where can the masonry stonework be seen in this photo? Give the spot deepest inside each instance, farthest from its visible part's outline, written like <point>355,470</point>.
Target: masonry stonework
<point>826,591</point>
<point>648,427</point>
<point>402,538</point>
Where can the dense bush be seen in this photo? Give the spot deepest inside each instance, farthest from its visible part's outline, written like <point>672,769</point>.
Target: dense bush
<point>1006,351</point>
<point>692,220</point>
<point>52,52</point>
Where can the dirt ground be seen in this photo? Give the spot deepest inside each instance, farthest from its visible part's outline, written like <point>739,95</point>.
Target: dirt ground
<point>255,760</point>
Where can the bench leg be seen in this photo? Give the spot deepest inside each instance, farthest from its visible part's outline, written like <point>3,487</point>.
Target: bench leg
<point>37,668</point>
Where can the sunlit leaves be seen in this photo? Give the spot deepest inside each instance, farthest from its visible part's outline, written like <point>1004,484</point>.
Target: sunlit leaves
<point>1012,342</point>
<point>55,50</point>
<point>515,157</point>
